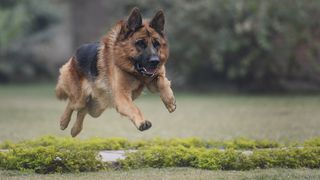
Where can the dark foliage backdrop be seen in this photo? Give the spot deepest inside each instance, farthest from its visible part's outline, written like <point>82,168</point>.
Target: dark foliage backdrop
<point>246,44</point>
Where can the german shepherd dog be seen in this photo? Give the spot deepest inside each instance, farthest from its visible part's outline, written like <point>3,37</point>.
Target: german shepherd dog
<point>114,71</point>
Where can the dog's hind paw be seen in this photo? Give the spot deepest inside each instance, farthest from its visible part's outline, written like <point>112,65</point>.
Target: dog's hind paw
<point>172,106</point>
<point>75,131</point>
<point>145,125</point>
<point>64,124</point>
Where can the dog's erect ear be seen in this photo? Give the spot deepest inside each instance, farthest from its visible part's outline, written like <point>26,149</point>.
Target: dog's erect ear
<point>157,22</point>
<point>134,20</point>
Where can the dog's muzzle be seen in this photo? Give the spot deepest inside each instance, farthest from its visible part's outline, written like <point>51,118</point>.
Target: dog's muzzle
<point>149,68</point>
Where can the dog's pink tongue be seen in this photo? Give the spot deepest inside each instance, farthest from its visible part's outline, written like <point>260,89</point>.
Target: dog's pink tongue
<point>151,70</point>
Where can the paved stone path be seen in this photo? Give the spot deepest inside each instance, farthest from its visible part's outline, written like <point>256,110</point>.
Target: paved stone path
<point>112,156</point>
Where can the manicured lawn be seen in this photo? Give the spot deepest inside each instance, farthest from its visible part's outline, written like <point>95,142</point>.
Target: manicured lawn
<point>31,111</point>
<point>173,173</point>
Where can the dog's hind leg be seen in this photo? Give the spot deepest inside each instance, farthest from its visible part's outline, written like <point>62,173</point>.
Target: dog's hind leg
<point>65,118</point>
<point>77,127</point>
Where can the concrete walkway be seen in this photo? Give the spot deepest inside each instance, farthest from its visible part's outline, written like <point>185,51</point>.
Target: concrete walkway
<point>112,156</point>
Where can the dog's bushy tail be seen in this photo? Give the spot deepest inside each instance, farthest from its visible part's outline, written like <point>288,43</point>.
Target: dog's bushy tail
<point>60,93</point>
<point>60,90</point>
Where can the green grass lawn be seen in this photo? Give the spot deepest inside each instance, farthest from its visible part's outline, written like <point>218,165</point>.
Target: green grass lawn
<point>31,111</point>
<point>172,173</point>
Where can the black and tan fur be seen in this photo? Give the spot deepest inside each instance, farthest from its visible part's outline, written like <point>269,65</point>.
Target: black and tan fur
<point>113,72</point>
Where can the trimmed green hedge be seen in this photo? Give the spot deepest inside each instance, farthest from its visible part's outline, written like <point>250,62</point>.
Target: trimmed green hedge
<point>214,159</point>
<point>70,143</point>
<point>51,154</point>
<point>121,143</point>
<point>51,159</point>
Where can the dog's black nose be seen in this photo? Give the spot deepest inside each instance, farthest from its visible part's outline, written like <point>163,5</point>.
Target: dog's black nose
<point>154,60</point>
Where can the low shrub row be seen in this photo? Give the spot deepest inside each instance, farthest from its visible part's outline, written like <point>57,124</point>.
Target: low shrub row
<point>230,159</point>
<point>51,154</point>
<point>71,143</point>
<point>121,143</point>
<point>51,159</point>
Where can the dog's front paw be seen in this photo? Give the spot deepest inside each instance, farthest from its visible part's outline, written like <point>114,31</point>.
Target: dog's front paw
<point>145,125</point>
<point>171,106</point>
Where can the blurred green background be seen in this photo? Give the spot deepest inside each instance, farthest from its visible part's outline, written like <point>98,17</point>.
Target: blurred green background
<point>243,45</point>
<point>224,49</point>
<point>239,68</point>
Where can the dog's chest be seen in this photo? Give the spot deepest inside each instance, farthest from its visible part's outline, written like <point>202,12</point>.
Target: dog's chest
<point>137,91</point>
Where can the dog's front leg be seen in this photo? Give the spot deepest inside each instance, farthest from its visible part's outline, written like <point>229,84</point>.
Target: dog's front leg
<point>125,107</point>
<point>166,94</point>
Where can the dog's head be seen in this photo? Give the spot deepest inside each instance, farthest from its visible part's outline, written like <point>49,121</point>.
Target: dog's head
<point>143,43</point>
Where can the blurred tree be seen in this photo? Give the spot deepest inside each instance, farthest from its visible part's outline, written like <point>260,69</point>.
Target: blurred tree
<point>261,45</point>
<point>18,21</point>
<point>22,18</point>
<point>255,44</point>
<point>100,16</point>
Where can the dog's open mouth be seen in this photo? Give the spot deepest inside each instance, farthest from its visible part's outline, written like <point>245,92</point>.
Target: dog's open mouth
<point>146,70</point>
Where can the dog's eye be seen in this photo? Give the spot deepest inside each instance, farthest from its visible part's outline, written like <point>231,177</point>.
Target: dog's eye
<point>141,44</point>
<point>156,44</point>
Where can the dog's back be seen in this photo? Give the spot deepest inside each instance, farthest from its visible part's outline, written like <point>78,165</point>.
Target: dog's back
<point>86,57</point>
<point>82,65</point>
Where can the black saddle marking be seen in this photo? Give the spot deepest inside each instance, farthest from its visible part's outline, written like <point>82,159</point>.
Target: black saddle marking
<point>86,57</point>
